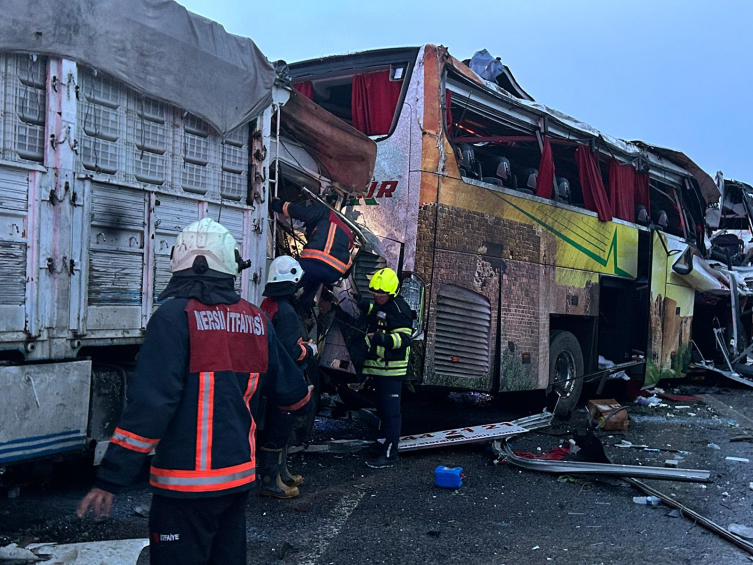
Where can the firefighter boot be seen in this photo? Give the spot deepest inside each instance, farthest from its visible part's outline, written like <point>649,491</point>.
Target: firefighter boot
<point>287,477</point>
<point>270,463</point>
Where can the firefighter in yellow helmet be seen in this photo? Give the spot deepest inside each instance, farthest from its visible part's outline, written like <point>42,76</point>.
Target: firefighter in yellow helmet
<point>388,340</point>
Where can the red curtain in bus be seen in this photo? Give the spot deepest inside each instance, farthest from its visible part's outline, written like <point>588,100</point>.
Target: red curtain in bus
<point>545,182</point>
<point>305,88</point>
<point>594,194</point>
<point>641,191</point>
<point>374,100</point>
<point>622,188</point>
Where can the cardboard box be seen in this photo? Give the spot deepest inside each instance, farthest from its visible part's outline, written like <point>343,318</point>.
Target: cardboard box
<point>601,409</point>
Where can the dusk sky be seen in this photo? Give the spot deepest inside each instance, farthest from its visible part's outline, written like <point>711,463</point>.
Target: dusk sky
<point>672,73</point>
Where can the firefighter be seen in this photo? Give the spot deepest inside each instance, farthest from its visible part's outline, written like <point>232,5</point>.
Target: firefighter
<point>205,354</point>
<point>388,340</point>
<point>284,274</point>
<point>326,256</point>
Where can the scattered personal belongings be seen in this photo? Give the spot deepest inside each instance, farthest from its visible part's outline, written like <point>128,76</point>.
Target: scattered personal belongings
<point>609,413</point>
<point>650,401</point>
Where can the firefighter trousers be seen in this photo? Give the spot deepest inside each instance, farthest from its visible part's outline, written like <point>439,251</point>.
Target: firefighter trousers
<point>389,391</point>
<point>198,531</point>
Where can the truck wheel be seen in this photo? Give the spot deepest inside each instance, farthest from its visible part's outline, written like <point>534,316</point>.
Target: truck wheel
<point>565,363</point>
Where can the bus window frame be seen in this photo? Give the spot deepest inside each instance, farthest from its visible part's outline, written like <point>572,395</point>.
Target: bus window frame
<point>350,68</point>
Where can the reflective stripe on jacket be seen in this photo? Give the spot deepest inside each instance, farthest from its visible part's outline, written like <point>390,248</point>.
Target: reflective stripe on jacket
<point>328,238</point>
<point>389,352</point>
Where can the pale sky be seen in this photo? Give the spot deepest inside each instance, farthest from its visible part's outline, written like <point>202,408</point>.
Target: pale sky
<point>674,73</point>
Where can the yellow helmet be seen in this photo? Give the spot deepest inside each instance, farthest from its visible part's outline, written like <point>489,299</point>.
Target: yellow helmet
<point>384,281</point>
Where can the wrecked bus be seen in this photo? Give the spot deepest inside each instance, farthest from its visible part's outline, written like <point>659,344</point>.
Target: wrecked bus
<point>101,166</point>
<point>543,246</point>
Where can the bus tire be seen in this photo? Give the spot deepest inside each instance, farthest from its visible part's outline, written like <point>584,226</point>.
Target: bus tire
<point>565,363</point>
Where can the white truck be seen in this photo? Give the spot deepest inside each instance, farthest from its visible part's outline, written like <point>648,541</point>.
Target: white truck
<point>101,166</point>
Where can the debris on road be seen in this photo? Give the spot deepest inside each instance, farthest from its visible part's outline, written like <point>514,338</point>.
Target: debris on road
<point>692,515</point>
<point>112,552</point>
<point>475,434</point>
<point>609,414</point>
<point>714,446</point>
<point>626,444</point>
<point>556,454</point>
<point>740,459</point>
<point>502,449</point>
<point>741,530</point>
<point>448,477</point>
<point>647,500</point>
<point>650,401</point>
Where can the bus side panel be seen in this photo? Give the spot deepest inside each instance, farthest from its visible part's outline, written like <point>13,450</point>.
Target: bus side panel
<point>671,313</point>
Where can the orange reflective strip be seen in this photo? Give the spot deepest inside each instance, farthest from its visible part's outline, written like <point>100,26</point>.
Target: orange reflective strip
<point>324,258</point>
<point>136,436</point>
<point>191,473</point>
<point>123,443</point>
<point>298,404</point>
<point>253,382</point>
<point>210,421</point>
<point>330,238</point>
<point>204,414</point>
<point>206,488</point>
<point>302,356</point>
<point>285,209</point>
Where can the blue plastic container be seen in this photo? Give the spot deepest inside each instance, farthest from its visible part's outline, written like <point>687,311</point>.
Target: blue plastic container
<point>448,477</point>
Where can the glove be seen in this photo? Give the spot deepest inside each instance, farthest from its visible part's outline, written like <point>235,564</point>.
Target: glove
<point>313,347</point>
<point>277,205</point>
<point>362,304</point>
<point>379,339</point>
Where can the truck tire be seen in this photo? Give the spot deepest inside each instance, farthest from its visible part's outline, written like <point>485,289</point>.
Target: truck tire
<point>565,363</point>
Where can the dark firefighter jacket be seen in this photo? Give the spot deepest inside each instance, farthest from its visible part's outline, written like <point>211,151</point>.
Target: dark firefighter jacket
<point>328,239</point>
<point>192,395</point>
<point>289,328</point>
<point>389,349</point>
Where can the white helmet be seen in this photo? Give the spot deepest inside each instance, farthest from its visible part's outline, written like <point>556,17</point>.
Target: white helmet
<point>284,269</point>
<point>208,239</point>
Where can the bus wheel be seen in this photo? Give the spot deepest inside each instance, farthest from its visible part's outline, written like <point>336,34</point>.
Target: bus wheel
<point>565,363</point>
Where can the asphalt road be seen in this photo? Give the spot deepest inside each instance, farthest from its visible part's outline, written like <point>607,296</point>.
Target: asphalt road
<point>349,514</point>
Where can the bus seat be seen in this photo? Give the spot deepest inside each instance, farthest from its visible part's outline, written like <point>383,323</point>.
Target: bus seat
<point>563,194</point>
<point>499,169</point>
<point>469,167</point>
<point>641,215</point>
<point>529,178</point>
<point>661,220</point>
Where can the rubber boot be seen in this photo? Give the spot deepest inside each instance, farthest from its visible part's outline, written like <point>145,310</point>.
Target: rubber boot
<point>269,465</point>
<point>287,477</point>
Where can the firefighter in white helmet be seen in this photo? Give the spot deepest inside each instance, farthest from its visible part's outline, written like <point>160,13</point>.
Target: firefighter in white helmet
<point>205,354</point>
<point>285,313</point>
